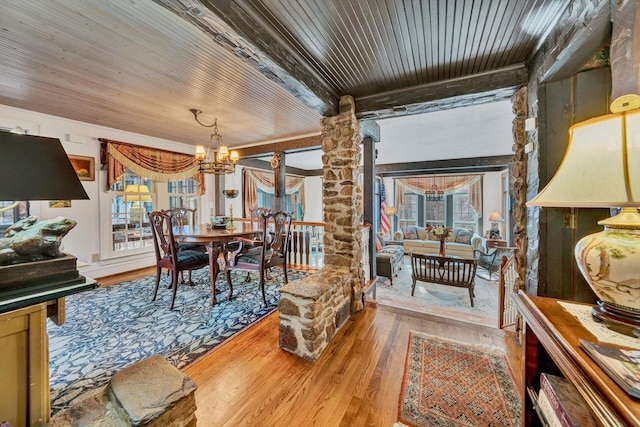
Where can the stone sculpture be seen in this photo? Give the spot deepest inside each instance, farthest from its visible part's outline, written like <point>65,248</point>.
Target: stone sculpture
<point>31,240</point>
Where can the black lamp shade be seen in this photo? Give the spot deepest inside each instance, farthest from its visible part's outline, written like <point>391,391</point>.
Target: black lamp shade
<point>36,168</point>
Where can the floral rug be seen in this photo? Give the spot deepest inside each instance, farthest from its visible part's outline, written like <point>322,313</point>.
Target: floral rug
<point>452,384</point>
<point>107,329</point>
<point>441,300</point>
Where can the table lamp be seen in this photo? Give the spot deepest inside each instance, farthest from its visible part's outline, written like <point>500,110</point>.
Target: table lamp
<point>36,168</point>
<point>601,169</point>
<point>495,218</point>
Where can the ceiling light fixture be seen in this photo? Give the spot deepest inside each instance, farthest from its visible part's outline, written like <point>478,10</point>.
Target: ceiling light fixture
<point>434,195</point>
<point>224,162</point>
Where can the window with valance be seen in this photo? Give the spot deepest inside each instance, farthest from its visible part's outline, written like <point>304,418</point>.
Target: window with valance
<point>255,180</point>
<point>150,163</point>
<point>448,184</point>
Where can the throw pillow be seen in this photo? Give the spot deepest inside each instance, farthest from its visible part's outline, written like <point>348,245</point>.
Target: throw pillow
<point>464,236</point>
<point>378,243</point>
<point>410,233</point>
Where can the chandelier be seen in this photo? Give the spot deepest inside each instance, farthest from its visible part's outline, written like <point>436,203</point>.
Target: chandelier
<point>224,162</point>
<point>434,195</point>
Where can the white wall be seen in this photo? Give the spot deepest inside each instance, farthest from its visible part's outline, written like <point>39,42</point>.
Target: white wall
<point>313,199</point>
<point>82,139</point>
<point>492,200</point>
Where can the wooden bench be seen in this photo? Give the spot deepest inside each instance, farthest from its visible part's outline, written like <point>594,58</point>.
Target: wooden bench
<point>456,272</point>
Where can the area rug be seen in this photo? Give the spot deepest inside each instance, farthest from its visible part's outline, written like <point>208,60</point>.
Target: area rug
<point>107,329</point>
<point>441,300</point>
<point>452,384</point>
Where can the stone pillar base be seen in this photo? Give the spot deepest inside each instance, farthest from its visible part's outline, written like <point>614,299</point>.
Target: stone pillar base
<point>313,309</point>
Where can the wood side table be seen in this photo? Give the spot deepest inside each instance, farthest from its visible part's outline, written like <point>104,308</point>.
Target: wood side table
<point>495,243</point>
<point>551,345</point>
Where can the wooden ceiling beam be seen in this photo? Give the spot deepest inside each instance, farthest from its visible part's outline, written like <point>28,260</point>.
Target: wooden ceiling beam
<point>289,146</point>
<point>234,25</point>
<point>475,89</point>
<point>582,29</point>
<point>450,166</point>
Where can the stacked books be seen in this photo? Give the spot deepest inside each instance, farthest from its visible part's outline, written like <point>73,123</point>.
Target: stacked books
<point>623,366</point>
<point>561,405</point>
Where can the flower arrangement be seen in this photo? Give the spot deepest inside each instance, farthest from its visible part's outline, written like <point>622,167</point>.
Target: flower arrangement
<point>439,231</point>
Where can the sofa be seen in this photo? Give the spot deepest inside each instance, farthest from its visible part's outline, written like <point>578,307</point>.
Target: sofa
<point>461,242</point>
<point>389,258</point>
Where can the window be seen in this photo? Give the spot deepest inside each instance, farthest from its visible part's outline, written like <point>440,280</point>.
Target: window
<point>464,216</point>
<point>435,212</point>
<point>408,214</point>
<point>9,217</point>
<point>132,197</point>
<point>183,194</point>
<point>265,200</point>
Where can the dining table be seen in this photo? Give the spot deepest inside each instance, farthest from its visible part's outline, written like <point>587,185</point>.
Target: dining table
<point>215,240</point>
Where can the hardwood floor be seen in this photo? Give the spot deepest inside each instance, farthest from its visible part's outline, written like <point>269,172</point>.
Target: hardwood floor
<point>249,381</point>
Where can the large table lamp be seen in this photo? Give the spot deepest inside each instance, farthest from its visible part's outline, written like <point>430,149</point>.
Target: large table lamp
<point>36,168</point>
<point>601,169</point>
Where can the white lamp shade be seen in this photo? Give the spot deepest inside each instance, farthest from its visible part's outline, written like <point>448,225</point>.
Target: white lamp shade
<point>496,217</point>
<point>201,153</point>
<point>601,167</point>
<point>142,190</point>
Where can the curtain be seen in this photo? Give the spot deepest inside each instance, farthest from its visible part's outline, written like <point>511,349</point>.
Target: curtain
<point>150,163</point>
<point>255,180</point>
<point>448,184</point>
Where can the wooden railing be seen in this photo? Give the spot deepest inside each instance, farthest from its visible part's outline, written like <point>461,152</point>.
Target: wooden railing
<point>508,314</point>
<point>305,245</point>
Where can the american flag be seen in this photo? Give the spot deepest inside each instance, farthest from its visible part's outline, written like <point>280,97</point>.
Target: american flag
<point>385,225</point>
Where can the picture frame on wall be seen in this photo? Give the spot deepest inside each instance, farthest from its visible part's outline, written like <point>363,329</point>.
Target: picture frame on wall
<point>84,167</point>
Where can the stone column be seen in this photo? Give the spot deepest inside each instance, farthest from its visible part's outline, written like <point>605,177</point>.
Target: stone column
<point>342,197</point>
<point>519,174</point>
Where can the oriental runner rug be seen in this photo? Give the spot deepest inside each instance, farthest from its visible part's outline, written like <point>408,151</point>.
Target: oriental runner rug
<point>109,328</point>
<point>452,384</point>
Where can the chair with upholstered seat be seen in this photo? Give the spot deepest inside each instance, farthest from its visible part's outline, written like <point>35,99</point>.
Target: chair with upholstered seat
<point>245,244</point>
<point>167,254</point>
<point>271,252</point>
<point>180,218</point>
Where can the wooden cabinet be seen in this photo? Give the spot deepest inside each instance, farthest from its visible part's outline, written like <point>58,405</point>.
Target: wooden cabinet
<point>551,344</point>
<point>24,345</point>
<point>24,376</point>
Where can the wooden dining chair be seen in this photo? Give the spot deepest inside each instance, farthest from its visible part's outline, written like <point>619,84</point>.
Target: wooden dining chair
<point>271,251</point>
<point>167,254</point>
<point>181,217</point>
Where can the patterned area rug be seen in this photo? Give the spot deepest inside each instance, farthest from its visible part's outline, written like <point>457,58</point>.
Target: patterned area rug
<point>441,300</point>
<point>109,328</point>
<point>452,384</point>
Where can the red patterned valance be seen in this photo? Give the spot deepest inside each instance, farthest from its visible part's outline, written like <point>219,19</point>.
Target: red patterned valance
<point>150,163</point>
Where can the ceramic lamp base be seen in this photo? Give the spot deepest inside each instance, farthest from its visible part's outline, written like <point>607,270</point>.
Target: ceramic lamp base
<point>610,263</point>
<point>617,319</point>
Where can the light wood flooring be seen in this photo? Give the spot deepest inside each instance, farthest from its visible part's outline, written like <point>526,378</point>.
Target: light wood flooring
<point>249,381</point>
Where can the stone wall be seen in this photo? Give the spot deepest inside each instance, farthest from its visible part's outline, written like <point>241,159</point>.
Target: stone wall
<point>519,182</point>
<point>312,310</point>
<point>342,196</point>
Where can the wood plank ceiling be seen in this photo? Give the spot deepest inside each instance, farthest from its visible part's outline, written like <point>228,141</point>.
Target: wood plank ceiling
<point>267,70</point>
